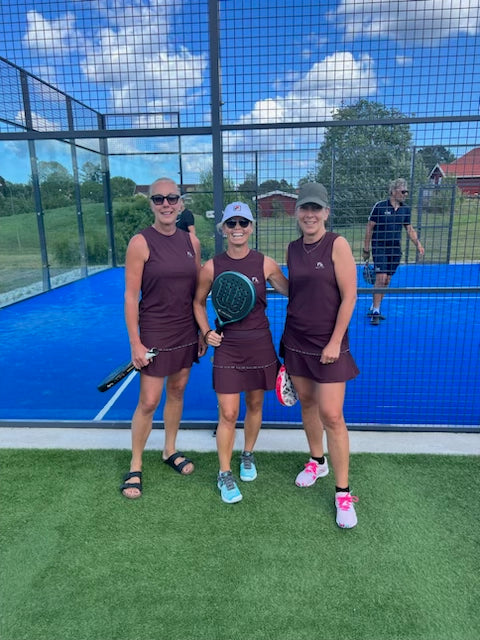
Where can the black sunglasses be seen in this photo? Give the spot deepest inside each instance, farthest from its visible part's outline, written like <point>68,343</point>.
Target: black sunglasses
<point>405,191</point>
<point>171,199</point>
<point>231,224</point>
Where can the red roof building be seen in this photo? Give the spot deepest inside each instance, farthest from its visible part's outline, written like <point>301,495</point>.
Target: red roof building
<point>276,202</point>
<point>465,169</point>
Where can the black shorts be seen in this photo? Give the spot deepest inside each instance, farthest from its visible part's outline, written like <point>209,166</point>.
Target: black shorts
<point>386,259</point>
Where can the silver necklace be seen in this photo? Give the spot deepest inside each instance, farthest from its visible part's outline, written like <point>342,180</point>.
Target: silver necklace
<point>314,246</point>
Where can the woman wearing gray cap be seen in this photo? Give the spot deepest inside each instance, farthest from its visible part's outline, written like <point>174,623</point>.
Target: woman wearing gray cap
<point>245,358</point>
<point>322,297</point>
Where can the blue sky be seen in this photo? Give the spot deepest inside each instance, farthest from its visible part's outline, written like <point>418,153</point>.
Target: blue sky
<point>279,63</point>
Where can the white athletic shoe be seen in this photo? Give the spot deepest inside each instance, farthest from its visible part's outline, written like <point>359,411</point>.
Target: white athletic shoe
<point>312,471</point>
<point>346,516</point>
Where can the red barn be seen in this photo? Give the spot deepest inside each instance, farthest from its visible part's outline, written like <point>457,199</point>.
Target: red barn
<point>276,203</point>
<point>465,169</point>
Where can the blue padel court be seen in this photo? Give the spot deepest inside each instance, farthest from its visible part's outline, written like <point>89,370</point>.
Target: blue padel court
<point>419,368</point>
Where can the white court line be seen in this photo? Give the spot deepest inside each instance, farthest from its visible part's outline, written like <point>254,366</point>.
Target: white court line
<point>115,396</point>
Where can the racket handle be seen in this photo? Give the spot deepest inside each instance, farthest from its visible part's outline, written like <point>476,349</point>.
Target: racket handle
<point>151,353</point>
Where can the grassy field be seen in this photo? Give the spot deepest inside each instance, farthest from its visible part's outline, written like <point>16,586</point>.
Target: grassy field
<point>20,261</point>
<point>79,562</point>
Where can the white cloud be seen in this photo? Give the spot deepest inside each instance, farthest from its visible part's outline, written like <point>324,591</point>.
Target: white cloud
<point>418,22</point>
<point>314,96</point>
<point>339,77</point>
<point>38,122</point>
<point>53,37</point>
<point>136,61</point>
<point>132,57</point>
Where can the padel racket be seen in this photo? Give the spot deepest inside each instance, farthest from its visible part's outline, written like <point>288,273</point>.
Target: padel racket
<point>121,372</point>
<point>286,393</point>
<point>369,273</point>
<point>233,297</point>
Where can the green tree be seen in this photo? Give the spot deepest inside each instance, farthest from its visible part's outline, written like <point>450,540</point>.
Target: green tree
<point>91,172</point>
<point>202,199</point>
<point>91,191</point>
<point>121,187</point>
<point>15,198</point>
<point>360,160</point>
<point>438,154</point>
<point>56,184</point>
<point>130,216</point>
<point>275,185</point>
<point>249,186</point>
<point>52,169</point>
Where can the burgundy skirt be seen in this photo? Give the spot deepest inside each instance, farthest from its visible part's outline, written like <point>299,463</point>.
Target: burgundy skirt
<point>169,361</point>
<point>308,365</point>
<point>245,361</point>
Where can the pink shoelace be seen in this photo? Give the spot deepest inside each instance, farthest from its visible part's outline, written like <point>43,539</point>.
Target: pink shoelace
<point>345,502</point>
<point>311,467</point>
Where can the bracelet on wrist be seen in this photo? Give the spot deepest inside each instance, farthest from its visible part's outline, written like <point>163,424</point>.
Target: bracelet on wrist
<point>206,335</point>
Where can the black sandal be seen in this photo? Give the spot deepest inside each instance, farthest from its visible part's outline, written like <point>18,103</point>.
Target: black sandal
<point>131,485</point>
<point>180,465</point>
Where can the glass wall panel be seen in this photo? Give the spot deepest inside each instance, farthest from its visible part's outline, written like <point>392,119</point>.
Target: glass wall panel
<point>93,209</point>
<point>20,261</point>
<point>56,180</point>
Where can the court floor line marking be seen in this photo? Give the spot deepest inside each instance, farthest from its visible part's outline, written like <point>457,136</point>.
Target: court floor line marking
<point>115,396</point>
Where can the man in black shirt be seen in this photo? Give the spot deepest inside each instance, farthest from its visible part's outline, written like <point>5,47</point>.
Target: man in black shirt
<point>185,220</point>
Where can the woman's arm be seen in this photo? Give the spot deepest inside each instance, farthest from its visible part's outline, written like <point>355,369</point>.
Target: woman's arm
<point>274,275</point>
<point>205,280</point>
<point>135,258</point>
<point>346,276</point>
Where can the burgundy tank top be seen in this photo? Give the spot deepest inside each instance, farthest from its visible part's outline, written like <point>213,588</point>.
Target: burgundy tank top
<point>252,267</point>
<point>168,287</point>
<point>314,296</point>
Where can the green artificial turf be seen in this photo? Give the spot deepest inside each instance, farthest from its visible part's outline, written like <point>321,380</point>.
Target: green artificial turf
<point>80,562</point>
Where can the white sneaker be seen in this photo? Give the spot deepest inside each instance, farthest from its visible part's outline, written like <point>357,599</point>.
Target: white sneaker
<point>312,471</point>
<point>346,516</point>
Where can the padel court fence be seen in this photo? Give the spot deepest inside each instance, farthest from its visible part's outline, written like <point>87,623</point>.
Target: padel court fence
<point>96,104</point>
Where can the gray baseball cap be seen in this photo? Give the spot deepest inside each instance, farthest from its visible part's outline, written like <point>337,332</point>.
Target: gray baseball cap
<point>313,192</point>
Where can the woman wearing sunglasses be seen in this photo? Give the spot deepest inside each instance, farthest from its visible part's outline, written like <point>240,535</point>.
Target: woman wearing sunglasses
<point>245,358</point>
<point>161,269</point>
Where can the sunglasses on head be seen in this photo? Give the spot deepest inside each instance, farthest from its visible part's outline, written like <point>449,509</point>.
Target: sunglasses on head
<point>171,199</point>
<point>231,224</point>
